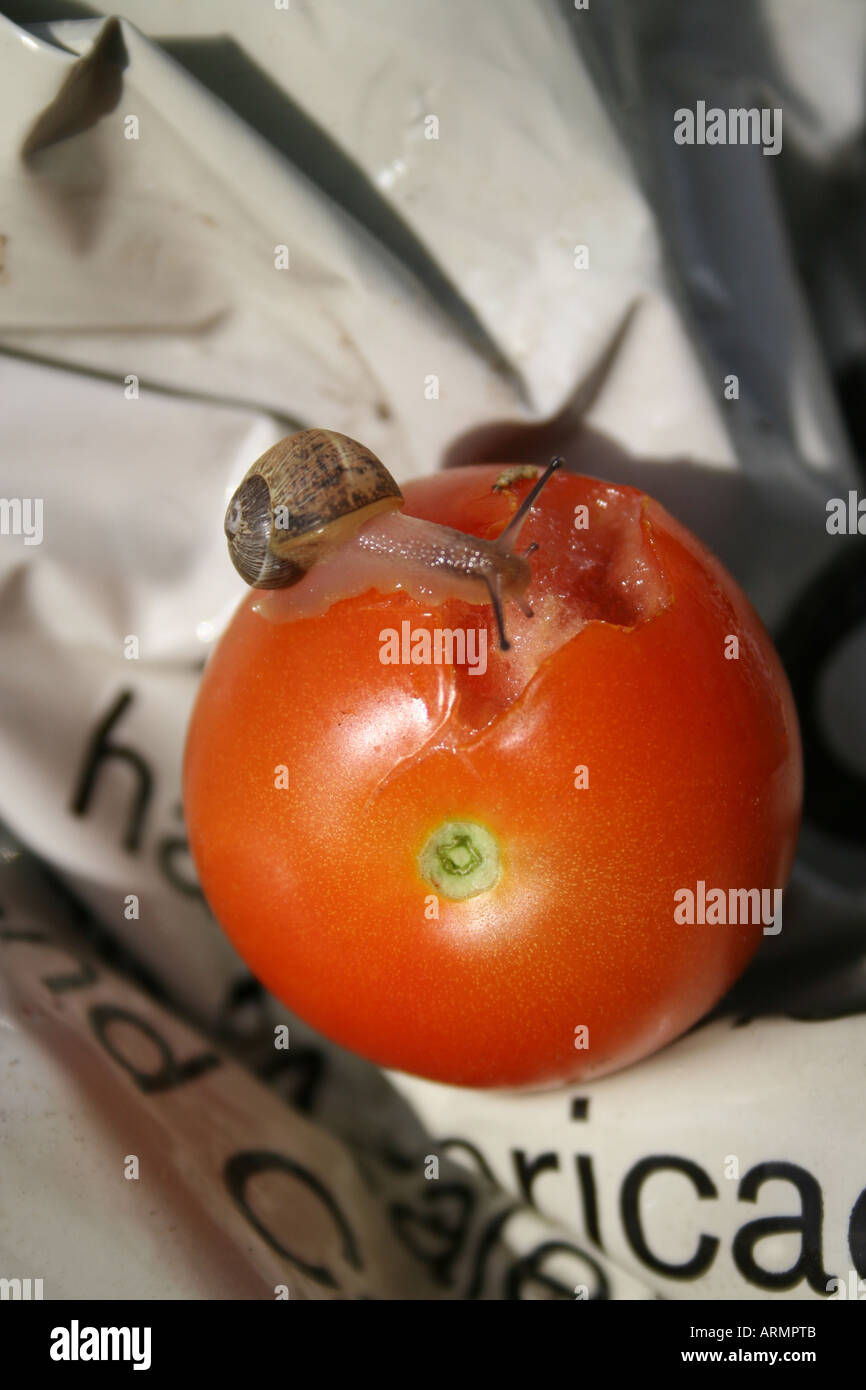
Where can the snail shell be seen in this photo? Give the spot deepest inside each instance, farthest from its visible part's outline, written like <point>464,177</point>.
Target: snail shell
<point>300,500</point>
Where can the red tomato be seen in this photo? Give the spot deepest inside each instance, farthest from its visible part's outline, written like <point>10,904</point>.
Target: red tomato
<point>637,742</point>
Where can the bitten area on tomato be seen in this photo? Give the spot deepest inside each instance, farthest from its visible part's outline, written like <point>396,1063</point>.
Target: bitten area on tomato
<point>340,889</point>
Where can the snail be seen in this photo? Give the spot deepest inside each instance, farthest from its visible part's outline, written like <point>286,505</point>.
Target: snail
<point>316,494</point>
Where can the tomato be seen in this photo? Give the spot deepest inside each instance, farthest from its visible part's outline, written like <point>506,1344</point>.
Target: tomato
<point>635,750</point>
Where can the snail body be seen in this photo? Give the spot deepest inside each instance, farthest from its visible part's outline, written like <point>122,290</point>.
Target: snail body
<point>319,510</point>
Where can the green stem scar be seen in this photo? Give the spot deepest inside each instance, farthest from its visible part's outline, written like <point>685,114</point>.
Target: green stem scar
<point>460,859</point>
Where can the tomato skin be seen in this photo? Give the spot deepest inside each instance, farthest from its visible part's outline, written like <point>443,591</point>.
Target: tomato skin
<point>694,774</point>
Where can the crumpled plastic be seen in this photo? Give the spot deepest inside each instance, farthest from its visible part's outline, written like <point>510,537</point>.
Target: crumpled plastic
<point>220,226</point>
